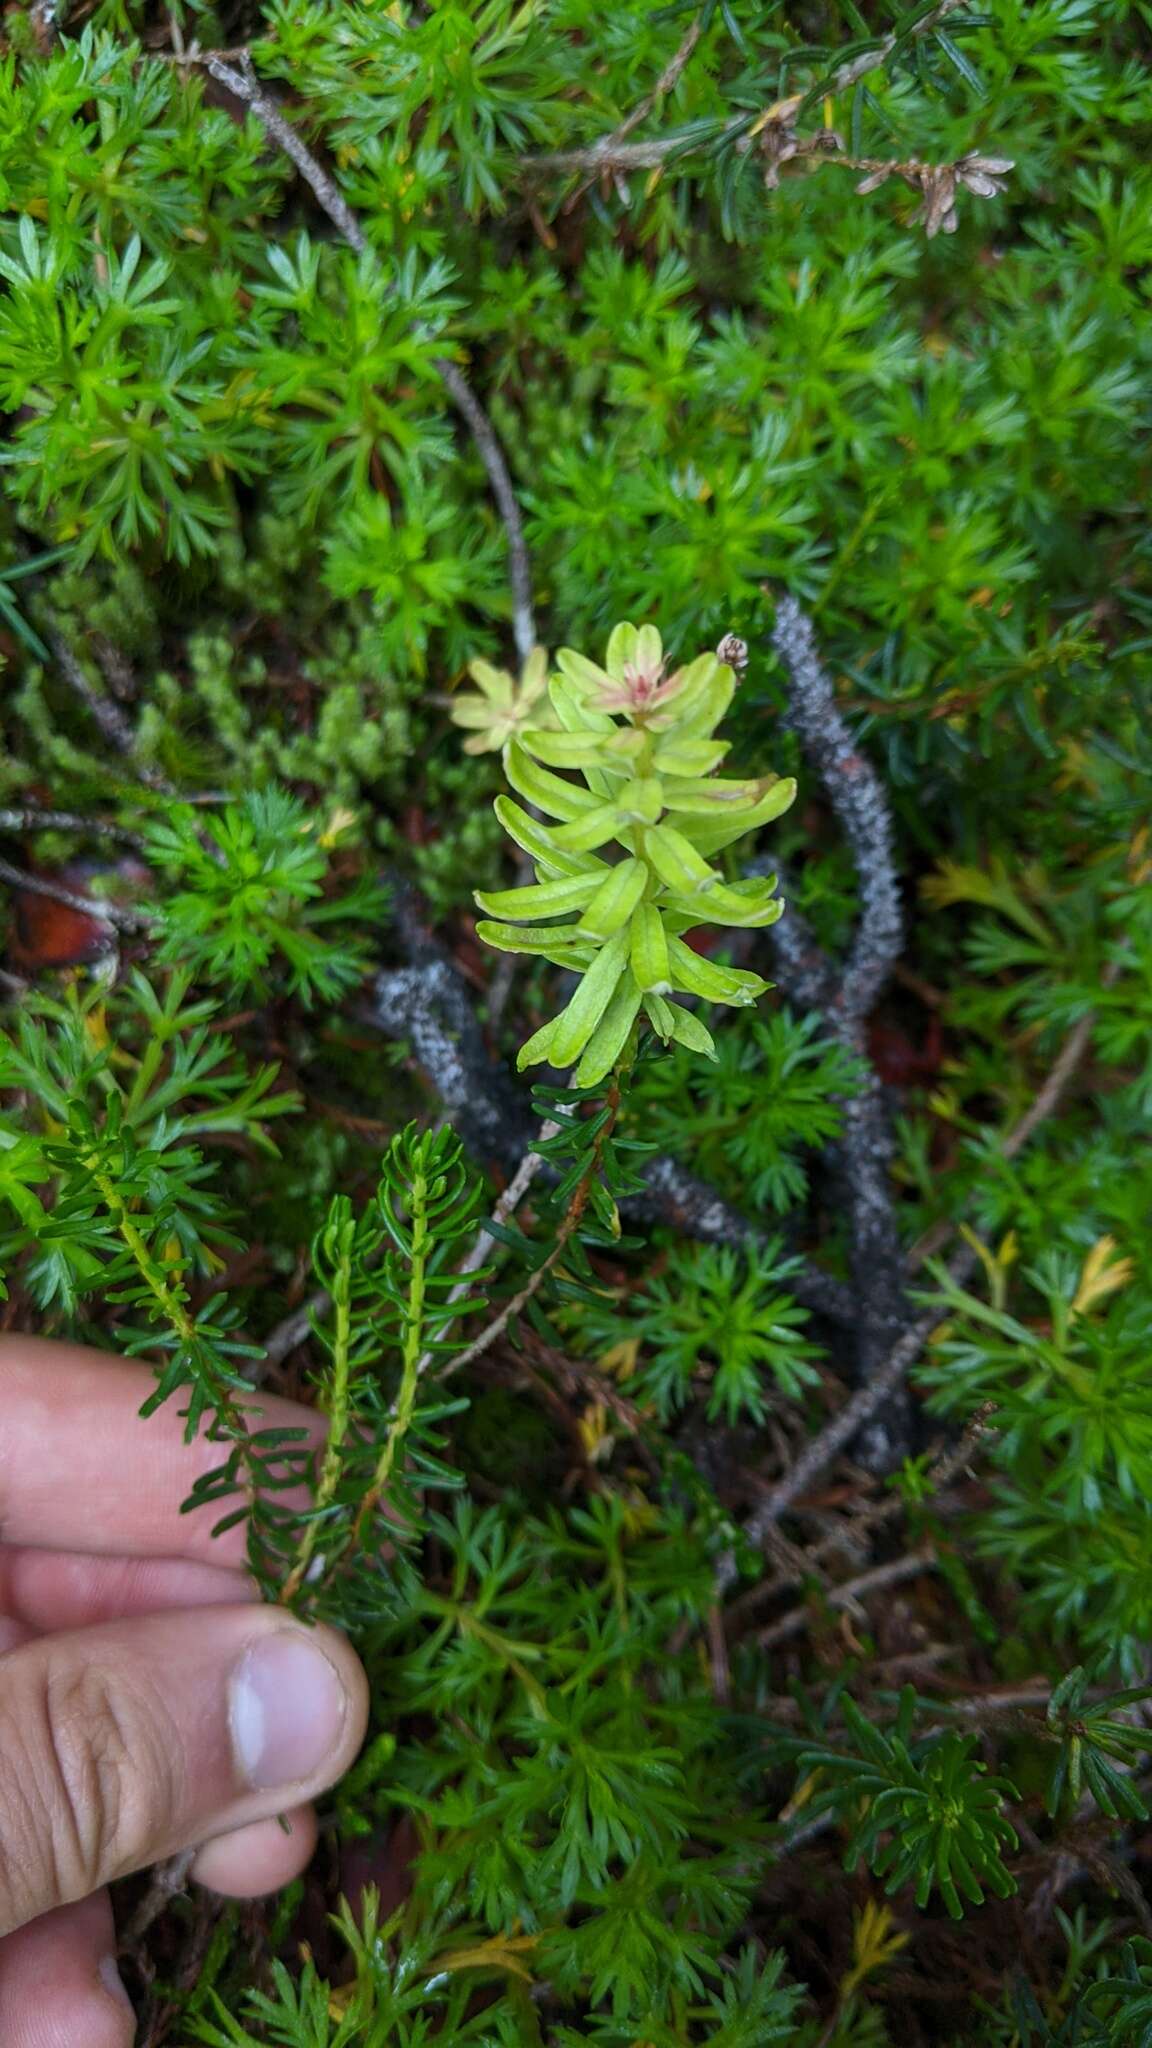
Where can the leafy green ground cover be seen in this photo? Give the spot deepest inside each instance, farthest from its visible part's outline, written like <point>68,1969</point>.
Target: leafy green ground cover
<point>824,327</point>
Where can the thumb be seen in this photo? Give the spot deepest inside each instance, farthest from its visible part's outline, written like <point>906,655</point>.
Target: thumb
<point>125,1743</point>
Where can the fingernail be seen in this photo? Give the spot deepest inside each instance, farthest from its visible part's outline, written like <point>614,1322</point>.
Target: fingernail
<point>287,1710</point>
<point>113,1982</point>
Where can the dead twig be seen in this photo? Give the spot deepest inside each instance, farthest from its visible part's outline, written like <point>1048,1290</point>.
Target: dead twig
<point>296,1327</point>
<point>30,818</point>
<point>1047,1097</point>
<point>1051,1093</point>
<point>566,1230</point>
<point>288,1335</point>
<point>613,153</point>
<point>847,991</point>
<point>578,1376</point>
<point>89,906</point>
<point>106,714</point>
<point>794,1564</point>
<point>485,1241</point>
<point>491,455</point>
<point>894,1573</point>
<point>665,84</point>
<point>840,1431</point>
<point>718,1658</point>
<point>166,1881</point>
<point>605,150</point>
<point>505,1207</point>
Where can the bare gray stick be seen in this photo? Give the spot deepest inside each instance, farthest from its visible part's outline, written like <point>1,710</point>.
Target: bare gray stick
<point>603,153</point>
<point>29,818</point>
<point>245,86</point>
<point>106,714</point>
<point>485,1240</point>
<point>491,455</point>
<point>847,993</point>
<point>861,808</point>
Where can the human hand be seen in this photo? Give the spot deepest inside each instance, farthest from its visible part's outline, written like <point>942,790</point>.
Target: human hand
<point>148,1703</point>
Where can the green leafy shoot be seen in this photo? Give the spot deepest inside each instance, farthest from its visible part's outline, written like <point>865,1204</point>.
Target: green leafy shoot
<point>921,1813</point>
<point>1093,1741</point>
<point>642,741</point>
<point>243,899</point>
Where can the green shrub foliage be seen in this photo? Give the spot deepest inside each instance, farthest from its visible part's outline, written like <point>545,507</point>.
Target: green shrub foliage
<point>351,358</point>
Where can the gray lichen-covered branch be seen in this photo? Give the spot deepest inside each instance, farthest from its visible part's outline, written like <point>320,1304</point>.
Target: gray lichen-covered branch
<point>845,992</point>
<point>427,1004</point>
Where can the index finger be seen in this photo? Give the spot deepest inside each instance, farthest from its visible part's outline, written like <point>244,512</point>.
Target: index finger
<point>80,1470</point>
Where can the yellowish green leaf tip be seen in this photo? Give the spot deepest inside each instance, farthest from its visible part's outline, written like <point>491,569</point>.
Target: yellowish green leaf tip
<point>621,761</point>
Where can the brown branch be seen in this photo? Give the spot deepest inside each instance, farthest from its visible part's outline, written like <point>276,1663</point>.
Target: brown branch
<point>612,153</point>
<point>840,1431</point>
<point>793,1569</point>
<point>245,86</point>
<point>1067,1060</point>
<point>569,1224</point>
<point>577,1376</point>
<point>894,1573</point>
<point>718,1667</point>
<point>604,150</point>
<point>167,1880</point>
<point>89,906</point>
<point>520,1300</point>
<point>1046,1100</point>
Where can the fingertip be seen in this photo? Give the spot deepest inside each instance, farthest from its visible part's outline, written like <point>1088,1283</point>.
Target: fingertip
<point>113,1983</point>
<point>59,1985</point>
<point>298,1707</point>
<point>72,1418</point>
<point>261,1858</point>
<point>163,1731</point>
<point>47,1590</point>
